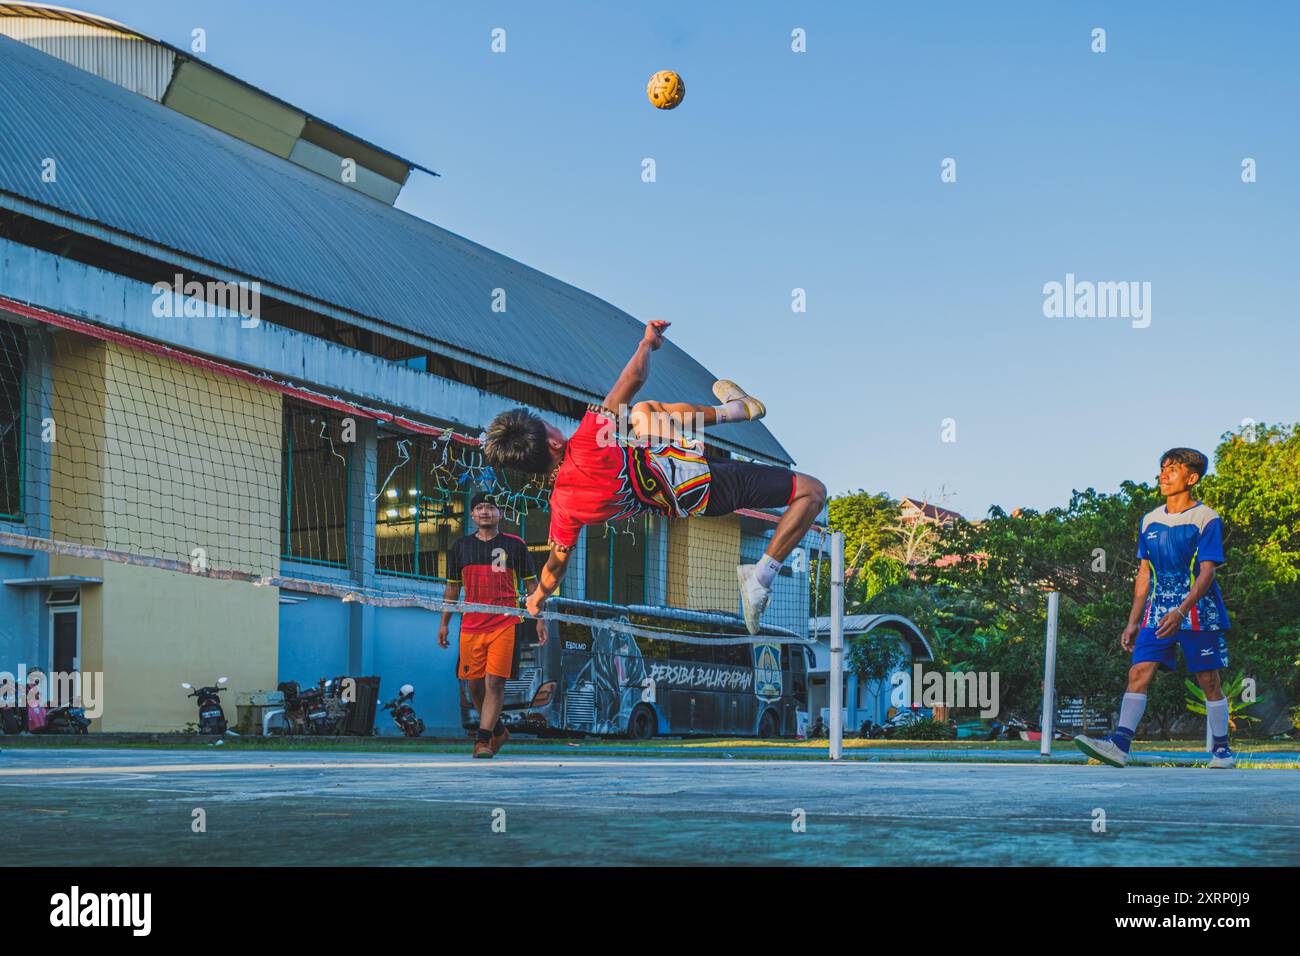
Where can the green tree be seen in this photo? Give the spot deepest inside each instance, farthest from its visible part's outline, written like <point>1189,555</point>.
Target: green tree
<point>980,599</point>
<point>867,521</point>
<point>1255,488</point>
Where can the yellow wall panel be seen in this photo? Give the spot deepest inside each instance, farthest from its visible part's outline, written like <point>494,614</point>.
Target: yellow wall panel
<point>702,558</point>
<point>147,630</point>
<point>159,458</point>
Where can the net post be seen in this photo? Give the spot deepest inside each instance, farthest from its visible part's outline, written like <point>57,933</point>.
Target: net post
<point>1049,676</point>
<point>835,690</point>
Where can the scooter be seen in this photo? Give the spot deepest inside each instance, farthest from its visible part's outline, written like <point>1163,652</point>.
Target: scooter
<point>309,711</point>
<point>404,713</point>
<point>38,719</point>
<point>66,720</point>
<point>212,718</point>
<point>901,720</point>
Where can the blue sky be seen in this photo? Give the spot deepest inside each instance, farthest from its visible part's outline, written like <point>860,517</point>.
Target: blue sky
<point>821,171</point>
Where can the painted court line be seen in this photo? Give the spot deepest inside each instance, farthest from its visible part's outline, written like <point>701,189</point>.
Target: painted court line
<point>585,762</point>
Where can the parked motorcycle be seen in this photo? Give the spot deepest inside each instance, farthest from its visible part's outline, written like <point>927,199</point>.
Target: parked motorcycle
<point>43,720</point>
<point>901,720</point>
<point>404,712</point>
<point>212,717</point>
<point>318,711</point>
<point>66,720</point>
<point>1017,728</point>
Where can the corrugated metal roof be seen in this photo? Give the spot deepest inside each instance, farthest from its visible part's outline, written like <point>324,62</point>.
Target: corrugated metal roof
<point>130,61</point>
<point>138,168</point>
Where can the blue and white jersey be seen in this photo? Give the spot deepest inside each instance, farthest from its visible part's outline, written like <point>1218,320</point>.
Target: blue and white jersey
<point>1175,545</point>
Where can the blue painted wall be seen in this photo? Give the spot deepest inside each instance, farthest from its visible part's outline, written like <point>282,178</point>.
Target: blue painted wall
<point>313,639</point>
<point>317,639</point>
<point>407,651</point>
<point>24,624</point>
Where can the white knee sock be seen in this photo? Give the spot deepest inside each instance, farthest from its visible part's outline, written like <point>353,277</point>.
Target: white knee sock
<point>766,570</point>
<point>1216,715</point>
<point>1131,710</point>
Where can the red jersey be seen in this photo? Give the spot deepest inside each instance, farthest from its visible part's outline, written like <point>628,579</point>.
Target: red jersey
<point>491,571</point>
<point>602,479</point>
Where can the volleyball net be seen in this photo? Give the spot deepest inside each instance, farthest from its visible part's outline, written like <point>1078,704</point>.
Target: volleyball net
<point>117,448</point>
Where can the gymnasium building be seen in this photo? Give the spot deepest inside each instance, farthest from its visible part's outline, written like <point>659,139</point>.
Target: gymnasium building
<point>238,384</point>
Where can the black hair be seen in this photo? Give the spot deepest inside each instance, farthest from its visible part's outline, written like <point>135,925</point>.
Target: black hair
<point>481,497</point>
<point>1193,459</point>
<point>517,439</point>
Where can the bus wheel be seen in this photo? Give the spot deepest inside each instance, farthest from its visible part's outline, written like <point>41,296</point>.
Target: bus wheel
<point>642,724</point>
<point>767,725</point>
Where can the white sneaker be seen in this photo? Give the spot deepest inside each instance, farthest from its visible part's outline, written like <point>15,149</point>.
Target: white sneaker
<point>753,596</point>
<point>727,391</point>
<point>1223,759</point>
<point>1107,751</point>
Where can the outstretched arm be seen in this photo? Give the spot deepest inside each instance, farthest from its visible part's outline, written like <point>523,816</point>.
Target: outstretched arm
<point>637,370</point>
<point>549,580</point>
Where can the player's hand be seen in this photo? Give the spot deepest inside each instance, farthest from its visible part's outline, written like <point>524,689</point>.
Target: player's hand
<point>442,636</point>
<point>534,603</point>
<point>654,333</point>
<point>1169,624</point>
<point>1128,640</point>
<point>541,632</point>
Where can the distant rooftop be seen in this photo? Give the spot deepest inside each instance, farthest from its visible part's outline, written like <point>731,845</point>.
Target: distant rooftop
<point>179,80</point>
<point>933,512</point>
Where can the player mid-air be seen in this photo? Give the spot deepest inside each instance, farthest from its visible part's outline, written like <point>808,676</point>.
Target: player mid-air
<point>1176,602</point>
<point>600,477</point>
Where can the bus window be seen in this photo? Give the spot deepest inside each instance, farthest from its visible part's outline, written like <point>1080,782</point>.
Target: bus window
<point>654,650</point>
<point>692,653</point>
<point>735,655</point>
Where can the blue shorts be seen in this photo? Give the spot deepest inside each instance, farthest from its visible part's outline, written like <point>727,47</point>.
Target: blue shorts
<point>1203,650</point>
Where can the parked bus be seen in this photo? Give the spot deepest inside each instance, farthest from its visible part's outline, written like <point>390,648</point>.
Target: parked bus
<point>591,678</point>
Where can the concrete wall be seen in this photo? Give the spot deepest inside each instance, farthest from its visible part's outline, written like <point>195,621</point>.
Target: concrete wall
<point>702,559</point>
<point>160,458</point>
<point>24,619</point>
<point>147,630</point>
<point>399,646</point>
<point>73,288</point>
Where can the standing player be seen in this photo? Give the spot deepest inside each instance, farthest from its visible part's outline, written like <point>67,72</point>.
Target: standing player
<point>1180,546</point>
<point>600,478</point>
<point>491,565</point>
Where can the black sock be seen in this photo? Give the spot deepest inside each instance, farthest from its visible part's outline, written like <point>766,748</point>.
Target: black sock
<point>484,734</point>
<point>499,729</point>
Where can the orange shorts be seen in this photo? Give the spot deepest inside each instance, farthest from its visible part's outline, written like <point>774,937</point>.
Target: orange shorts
<point>487,652</point>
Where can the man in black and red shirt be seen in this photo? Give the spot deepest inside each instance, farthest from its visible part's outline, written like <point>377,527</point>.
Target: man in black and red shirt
<point>490,564</point>
<point>601,475</point>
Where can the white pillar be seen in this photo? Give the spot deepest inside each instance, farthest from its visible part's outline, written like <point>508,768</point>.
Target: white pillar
<point>1049,676</point>
<point>835,683</point>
